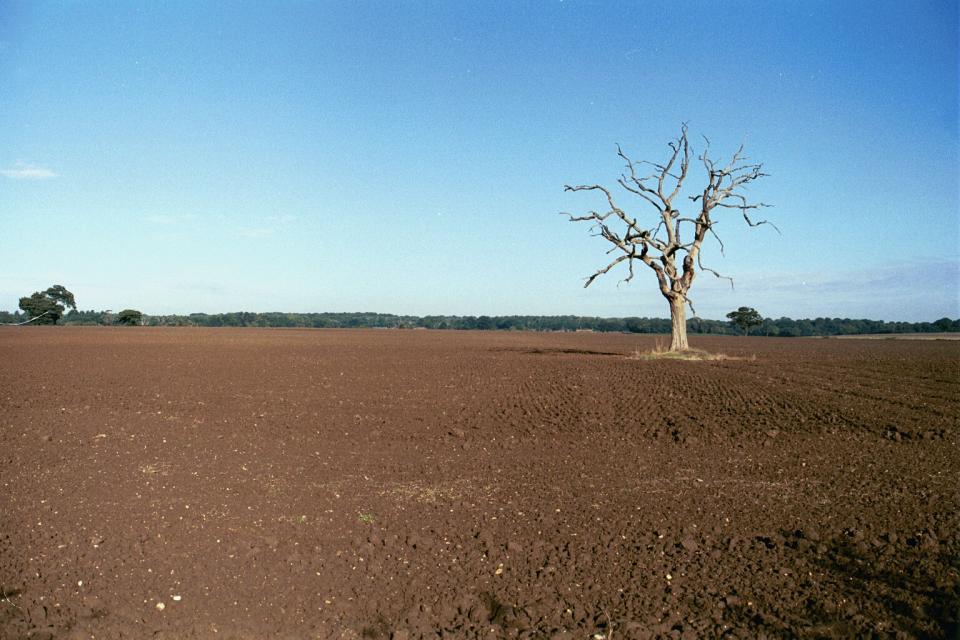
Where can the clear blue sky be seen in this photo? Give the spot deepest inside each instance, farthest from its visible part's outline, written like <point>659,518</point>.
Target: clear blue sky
<point>411,157</point>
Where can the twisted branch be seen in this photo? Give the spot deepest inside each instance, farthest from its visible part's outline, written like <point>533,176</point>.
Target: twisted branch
<point>18,324</point>
<point>659,189</point>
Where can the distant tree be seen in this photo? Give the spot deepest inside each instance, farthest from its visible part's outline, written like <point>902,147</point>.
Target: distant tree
<point>47,307</point>
<point>946,324</point>
<point>130,317</point>
<point>745,317</point>
<point>40,309</point>
<point>769,327</point>
<point>90,317</point>
<point>670,246</point>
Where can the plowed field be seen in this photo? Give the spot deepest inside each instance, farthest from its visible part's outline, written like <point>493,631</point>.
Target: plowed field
<point>207,483</point>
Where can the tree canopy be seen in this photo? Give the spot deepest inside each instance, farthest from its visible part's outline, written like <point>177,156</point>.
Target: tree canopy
<point>47,307</point>
<point>777,327</point>
<point>60,294</point>
<point>745,317</point>
<point>130,317</point>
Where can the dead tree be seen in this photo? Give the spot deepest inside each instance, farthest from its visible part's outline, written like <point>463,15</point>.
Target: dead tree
<point>672,237</point>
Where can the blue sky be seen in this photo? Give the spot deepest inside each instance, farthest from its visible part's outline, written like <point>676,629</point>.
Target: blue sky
<point>410,157</point>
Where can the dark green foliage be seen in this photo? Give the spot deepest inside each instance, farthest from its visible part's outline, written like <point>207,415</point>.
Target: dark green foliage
<point>745,317</point>
<point>768,326</point>
<point>782,327</point>
<point>48,306</point>
<point>39,306</point>
<point>60,294</point>
<point>946,324</point>
<point>130,317</point>
<point>91,317</point>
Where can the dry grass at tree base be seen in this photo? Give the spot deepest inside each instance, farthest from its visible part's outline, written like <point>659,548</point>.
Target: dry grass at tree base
<point>661,351</point>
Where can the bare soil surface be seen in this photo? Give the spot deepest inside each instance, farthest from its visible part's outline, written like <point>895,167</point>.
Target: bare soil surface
<point>217,483</point>
<point>900,336</point>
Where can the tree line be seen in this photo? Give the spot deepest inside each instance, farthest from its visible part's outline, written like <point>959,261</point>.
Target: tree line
<point>669,244</point>
<point>782,327</point>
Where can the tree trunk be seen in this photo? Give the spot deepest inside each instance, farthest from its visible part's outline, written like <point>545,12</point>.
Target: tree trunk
<point>678,320</point>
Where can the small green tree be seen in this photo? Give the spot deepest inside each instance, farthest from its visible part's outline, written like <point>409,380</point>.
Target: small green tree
<point>47,307</point>
<point>130,317</point>
<point>745,317</point>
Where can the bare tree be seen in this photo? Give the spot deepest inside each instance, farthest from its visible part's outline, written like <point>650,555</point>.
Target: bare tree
<point>672,235</point>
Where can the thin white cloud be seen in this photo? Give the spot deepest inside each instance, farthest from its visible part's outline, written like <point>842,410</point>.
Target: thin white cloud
<point>915,291</point>
<point>164,218</point>
<point>242,227</point>
<point>919,290</point>
<point>266,226</point>
<point>254,232</point>
<point>161,219</point>
<point>23,171</point>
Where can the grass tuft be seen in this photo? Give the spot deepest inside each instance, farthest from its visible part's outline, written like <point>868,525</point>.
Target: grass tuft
<point>661,351</point>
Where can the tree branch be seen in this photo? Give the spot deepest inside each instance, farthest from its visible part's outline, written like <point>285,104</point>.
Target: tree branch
<point>710,229</point>
<point>722,277</point>
<point>684,162</point>
<point>17,324</point>
<point>607,268</point>
<point>724,189</point>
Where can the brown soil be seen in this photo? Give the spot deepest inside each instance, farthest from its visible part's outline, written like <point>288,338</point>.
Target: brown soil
<point>407,484</point>
<point>900,336</point>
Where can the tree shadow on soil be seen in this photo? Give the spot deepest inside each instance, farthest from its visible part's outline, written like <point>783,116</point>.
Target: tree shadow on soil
<point>582,352</point>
